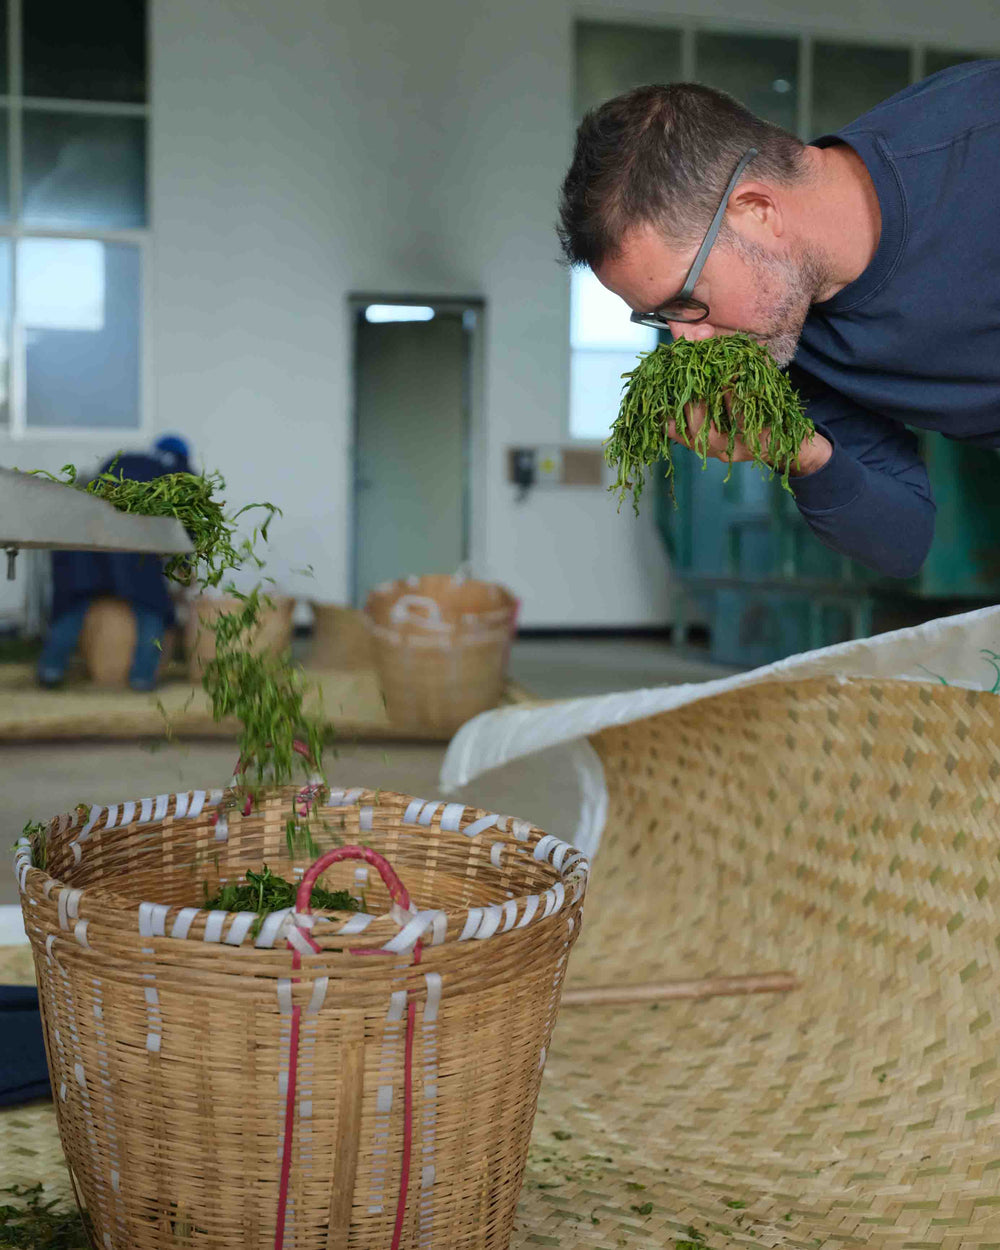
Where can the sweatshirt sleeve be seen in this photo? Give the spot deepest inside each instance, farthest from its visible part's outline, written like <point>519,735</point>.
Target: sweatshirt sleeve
<point>872,499</point>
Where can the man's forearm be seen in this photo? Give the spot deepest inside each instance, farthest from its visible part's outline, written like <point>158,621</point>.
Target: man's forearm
<point>883,521</point>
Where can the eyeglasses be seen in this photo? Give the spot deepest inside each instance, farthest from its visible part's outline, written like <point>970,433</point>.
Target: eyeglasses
<point>681,307</point>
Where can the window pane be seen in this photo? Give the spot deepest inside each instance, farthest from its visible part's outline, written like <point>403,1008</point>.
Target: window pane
<point>849,79</point>
<point>82,171</point>
<point>939,58</point>
<point>4,167</point>
<point>605,344</point>
<point>599,319</point>
<point>761,72</point>
<point>595,391</point>
<point>75,51</point>
<point>79,304</point>
<point>613,59</point>
<point>5,270</point>
<point>4,84</point>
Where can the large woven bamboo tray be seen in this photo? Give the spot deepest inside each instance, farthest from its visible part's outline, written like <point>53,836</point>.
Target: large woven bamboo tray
<point>846,830</point>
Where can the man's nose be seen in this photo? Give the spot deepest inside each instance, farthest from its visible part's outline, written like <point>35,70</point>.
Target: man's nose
<point>694,331</point>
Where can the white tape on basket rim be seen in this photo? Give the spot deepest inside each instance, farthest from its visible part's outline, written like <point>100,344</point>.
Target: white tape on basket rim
<point>145,812</point>
<point>356,924</point>
<point>183,921</point>
<point>530,907</point>
<point>414,930</point>
<point>95,815</point>
<point>152,919</point>
<point>492,917</point>
<point>213,926</point>
<point>481,825</point>
<point>162,806</point>
<point>240,927</point>
<point>272,926</point>
<point>472,923</point>
<point>451,817</point>
<point>181,805</point>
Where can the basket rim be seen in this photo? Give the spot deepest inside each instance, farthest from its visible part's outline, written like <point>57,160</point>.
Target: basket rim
<point>395,932</point>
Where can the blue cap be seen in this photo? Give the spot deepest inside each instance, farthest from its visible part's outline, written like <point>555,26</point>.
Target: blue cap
<point>174,451</point>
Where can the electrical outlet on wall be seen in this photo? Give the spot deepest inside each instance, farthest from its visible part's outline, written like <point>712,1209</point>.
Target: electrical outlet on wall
<point>548,466</point>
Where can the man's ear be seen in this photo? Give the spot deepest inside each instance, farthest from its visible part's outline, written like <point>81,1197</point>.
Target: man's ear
<point>756,207</point>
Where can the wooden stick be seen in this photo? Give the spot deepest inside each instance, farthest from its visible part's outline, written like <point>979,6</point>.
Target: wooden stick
<point>661,991</point>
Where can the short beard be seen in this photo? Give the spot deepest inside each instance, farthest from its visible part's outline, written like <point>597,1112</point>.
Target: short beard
<point>788,288</point>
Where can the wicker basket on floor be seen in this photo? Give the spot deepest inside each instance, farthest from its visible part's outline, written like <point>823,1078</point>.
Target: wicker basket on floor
<point>363,1082</point>
<point>107,641</point>
<point>341,639</point>
<point>441,648</point>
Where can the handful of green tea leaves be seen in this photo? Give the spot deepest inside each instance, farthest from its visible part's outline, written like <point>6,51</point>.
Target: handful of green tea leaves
<point>670,377</point>
<point>264,893</point>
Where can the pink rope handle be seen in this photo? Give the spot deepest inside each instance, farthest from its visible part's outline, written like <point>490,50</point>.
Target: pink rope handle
<point>397,891</point>
<point>303,905</point>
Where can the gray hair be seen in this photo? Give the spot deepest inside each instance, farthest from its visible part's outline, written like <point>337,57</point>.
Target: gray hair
<point>662,155</point>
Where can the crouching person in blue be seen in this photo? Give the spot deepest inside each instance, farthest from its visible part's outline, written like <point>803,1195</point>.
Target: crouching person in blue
<point>79,577</point>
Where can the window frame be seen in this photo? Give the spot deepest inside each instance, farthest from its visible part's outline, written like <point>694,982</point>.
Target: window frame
<point>16,429</point>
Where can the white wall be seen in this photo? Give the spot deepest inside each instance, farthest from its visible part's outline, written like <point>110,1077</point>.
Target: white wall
<point>304,151</point>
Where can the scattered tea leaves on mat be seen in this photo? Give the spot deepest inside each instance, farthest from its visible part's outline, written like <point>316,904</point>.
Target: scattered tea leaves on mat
<point>645,1209</point>
<point>560,1134</point>
<point>736,1204</point>
<point>36,1224</point>
<point>671,376</point>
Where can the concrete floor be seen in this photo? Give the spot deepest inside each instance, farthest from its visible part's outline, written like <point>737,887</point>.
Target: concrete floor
<point>40,780</point>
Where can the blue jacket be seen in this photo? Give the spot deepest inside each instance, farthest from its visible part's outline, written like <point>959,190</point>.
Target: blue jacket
<point>915,340</point>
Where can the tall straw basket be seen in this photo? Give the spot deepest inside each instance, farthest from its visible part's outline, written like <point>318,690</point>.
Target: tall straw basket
<point>441,648</point>
<point>274,633</point>
<point>341,638</point>
<point>107,641</point>
<point>364,1081</point>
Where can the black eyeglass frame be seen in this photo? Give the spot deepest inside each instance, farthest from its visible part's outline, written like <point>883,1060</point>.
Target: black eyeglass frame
<point>683,300</point>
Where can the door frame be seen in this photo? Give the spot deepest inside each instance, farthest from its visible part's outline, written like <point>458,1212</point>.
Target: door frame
<point>473,451</point>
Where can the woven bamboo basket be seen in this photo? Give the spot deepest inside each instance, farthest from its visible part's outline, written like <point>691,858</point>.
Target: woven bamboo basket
<point>319,1082</point>
<point>107,641</point>
<point>441,648</point>
<point>274,632</point>
<point>341,638</point>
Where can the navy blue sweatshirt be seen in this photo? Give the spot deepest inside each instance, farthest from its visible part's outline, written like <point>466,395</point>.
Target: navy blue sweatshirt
<point>915,340</point>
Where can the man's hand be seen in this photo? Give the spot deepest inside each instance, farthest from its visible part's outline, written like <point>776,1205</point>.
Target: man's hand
<point>813,454</point>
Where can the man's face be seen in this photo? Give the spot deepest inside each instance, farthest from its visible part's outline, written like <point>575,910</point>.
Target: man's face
<point>746,286</point>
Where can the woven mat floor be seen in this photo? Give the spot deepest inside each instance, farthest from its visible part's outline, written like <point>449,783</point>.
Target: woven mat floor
<point>847,832</point>
<point>352,699</point>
